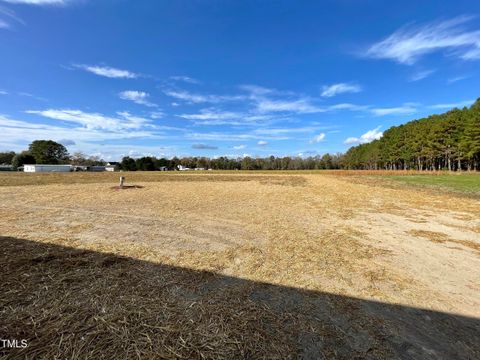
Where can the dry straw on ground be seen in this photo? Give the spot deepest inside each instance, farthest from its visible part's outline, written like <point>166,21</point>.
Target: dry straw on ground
<point>236,266</point>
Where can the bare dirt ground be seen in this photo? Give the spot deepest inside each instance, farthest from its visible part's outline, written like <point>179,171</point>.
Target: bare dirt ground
<point>390,272</point>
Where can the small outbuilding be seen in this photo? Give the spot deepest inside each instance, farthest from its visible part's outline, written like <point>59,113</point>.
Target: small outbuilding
<point>112,166</point>
<point>47,168</point>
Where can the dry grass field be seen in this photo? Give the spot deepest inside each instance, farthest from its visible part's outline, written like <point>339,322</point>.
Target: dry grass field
<point>237,265</point>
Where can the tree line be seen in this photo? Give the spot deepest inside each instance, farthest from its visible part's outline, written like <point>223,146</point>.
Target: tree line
<point>51,152</point>
<point>327,161</point>
<point>449,141</point>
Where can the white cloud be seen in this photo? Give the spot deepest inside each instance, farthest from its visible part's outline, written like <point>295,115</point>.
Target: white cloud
<point>211,114</point>
<point>421,75</point>
<point>124,121</point>
<point>347,106</point>
<point>340,88</point>
<point>186,79</point>
<point>369,136</point>
<point>456,78</point>
<point>318,138</point>
<point>157,114</point>
<point>275,101</point>
<point>38,2</point>
<point>224,136</point>
<point>262,143</point>
<point>138,97</point>
<point>399,110</point>
<point>408,44</point>
<point>291,130</point>
<point>19,133</point>
<point>240,147</point>
<point>300,106</point>
<point>23,93</point>
<point>199,98</point>
<point>256,90</point>
<point>473,54</point>
<point>3,92</point>
<point>449,106</point>
<point>10,14</point>
<point>108,71</point>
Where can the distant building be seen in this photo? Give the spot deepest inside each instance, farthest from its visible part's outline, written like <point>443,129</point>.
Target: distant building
<point>182,168</point>
<point>112,166</point>
<point>6,168</point>
<point>47,168</point>
<point>80,168</point>
<point>96,168</point>
<point>163,168</point>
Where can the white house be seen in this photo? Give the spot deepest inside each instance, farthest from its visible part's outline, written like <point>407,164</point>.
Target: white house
<point>47,168</point>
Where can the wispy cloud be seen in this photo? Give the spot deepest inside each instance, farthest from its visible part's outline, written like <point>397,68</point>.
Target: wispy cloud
<point>348,106</point>
<point>38,2</point>
<point>288,130</point>
<point>23,93</point>
<point>408,44</point>
<point>318,138</point>
<point>211,114</point>
<point>458,105</point>
<point>369,136</point>
<point>420,75</point>
<point>457,78</point>
<point>138,97</point>
<point>7,16</point>
<point>204,147</point>
<point>262,143</point>
<point>3,92</point>
<point>256,90</point>
<point>124,120</point>
<point>239,147</point>
<point>274,101</point>
<point>200,98</point>
<point>186,79</point>
<point>157,114</point>
<point>20,133</point>
<point>108,71</point>
<point>408,108</point>
<point>340,88</point>
<point>225,136</point>
<point>300,106</point>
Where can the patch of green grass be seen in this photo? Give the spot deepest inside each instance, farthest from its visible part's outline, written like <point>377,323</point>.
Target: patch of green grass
<point>461,183</point>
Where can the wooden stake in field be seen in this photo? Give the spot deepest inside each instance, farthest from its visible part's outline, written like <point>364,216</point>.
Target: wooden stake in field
<point>122,180</point>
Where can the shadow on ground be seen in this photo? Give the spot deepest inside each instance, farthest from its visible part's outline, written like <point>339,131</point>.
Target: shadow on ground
<point>71,303</point>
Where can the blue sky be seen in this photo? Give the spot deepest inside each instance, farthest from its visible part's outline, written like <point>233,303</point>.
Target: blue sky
<point>212,78</point>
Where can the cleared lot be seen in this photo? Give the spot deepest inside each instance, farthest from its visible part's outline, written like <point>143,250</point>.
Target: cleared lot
<point>238,265</point>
